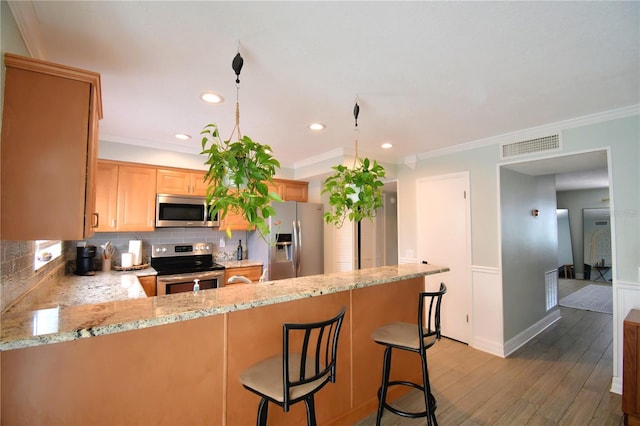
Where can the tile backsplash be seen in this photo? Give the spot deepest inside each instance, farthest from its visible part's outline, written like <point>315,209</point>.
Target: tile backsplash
<point>17,274</point>
<point>120,241</point>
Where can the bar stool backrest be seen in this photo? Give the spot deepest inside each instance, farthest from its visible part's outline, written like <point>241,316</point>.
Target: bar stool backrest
<point>432,300</point>
<point>309,357</point>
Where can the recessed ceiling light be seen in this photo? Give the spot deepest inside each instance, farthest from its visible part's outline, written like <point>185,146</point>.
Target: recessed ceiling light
<point>386,145</point>
<point>212,98</point>
<point>317,126</point>
<point>182,136</point>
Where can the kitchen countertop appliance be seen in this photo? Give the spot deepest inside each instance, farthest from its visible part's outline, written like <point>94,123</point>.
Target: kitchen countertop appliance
<point>84,260</point>
<point>178,265</point>
<point>298,231</point>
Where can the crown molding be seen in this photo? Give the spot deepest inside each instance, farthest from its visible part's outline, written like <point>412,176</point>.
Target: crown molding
<point>26,18</point>
<point>538,131</point>
<point>311,161</point>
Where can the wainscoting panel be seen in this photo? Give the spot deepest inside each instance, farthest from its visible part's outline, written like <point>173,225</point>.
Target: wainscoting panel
<point>486,304</point>
<point>626,296</point>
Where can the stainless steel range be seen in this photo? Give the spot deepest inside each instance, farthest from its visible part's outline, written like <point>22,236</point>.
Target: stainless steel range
<point>179,265</point>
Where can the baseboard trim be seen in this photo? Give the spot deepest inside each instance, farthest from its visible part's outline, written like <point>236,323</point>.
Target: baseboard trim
<point>518,341</point>
<point>488,346</point>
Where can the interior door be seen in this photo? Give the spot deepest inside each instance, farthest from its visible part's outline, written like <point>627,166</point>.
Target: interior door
<point>443,225</point>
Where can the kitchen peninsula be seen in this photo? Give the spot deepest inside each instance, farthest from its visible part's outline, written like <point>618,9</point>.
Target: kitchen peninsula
<point>175,359</point>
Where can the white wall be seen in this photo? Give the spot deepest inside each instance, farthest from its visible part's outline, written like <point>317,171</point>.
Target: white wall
<point>529,247</point>
<point>616,131</point>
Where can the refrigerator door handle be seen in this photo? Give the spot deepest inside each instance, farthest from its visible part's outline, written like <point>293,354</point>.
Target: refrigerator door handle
<point>295,249</point>
<point>299,248</point>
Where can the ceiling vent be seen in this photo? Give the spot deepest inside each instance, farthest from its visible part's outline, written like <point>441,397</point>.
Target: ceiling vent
<point>531,146</point>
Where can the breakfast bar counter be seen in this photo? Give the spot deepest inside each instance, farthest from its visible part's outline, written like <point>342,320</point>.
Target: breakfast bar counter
<point>176,358</point>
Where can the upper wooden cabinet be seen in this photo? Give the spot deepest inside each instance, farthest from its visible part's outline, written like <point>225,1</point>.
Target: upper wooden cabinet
<point>126,197</point>
<point>49,150</point>
<point>181,182</point>
<point>107,196</point>
<point>288,190</point>
<point>291,190</point>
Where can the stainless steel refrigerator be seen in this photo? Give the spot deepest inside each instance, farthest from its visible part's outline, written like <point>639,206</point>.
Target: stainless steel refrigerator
<point>296,247</point>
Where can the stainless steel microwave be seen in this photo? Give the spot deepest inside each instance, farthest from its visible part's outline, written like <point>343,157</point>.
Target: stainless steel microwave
<point>183,211</point>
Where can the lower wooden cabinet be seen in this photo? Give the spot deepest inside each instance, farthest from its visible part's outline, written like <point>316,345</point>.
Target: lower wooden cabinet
<point>631,369</point>
<point>148,284</point>
<point>251,272</point>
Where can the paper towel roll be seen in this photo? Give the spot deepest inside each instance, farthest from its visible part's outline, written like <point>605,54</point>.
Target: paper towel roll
<point>135,248</point>
<point>126,260</point>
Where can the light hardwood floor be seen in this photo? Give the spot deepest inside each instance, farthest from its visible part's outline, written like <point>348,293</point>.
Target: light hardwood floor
<point>562,376</point>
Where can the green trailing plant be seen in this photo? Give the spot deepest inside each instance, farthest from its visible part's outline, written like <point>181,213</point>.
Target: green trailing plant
<point>238,177</point>
<point>354,193</point>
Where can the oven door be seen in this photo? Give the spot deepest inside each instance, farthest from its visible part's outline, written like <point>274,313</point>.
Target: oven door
<point>180,283</point>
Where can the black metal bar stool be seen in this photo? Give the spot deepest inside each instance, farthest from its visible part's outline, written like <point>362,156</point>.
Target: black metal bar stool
<point>414,338</point>
<point>300,371</point>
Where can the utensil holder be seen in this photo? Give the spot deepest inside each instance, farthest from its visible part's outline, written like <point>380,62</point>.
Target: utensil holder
<point>106,264</point>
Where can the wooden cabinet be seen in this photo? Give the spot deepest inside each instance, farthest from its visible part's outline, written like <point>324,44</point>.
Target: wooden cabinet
<point>290,190</point>
<point>133,199</point>
<point>49,150</point>
<point>631,368</point>
<point>181,182</point>
<point>235,222</point>
<point>106,196</point>
<point>251,272</point>
<point>148,284</point>
<point>293,190</point>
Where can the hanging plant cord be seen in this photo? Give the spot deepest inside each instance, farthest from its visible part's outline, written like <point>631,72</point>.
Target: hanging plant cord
<point>240,174</point>
<point>237,64</point>
<point>354,193</point>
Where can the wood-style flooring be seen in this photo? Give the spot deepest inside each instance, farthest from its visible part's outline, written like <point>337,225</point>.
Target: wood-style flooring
<point>561,377</point>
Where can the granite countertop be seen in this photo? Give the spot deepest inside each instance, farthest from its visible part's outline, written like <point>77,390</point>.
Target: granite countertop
<point>74,290</point>
<point>67,322</point>
<point>229,264</point>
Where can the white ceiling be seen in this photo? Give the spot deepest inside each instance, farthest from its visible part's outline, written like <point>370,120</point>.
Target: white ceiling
<point>427,75</point>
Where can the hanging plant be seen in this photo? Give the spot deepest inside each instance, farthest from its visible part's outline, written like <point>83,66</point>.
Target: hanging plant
<point>238,177</point>
<point>354,193</point>
<point>239,173</point>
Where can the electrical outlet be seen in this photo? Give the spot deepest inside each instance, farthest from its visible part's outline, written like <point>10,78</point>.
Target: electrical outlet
<point>222,243</point>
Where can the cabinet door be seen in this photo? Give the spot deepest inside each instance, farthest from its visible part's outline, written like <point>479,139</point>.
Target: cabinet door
<point>136,198</point>
<point>148,284</point>
<point>198,185</point>
<point>251,272</point>
<point>175,182</point>
<point>47,155</point>
<point>295,191</point>
<point>106,196</point>
<point>234,221</point>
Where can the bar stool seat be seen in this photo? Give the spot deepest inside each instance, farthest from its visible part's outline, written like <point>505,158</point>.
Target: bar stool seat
<point>417,339</point>
<point>307,363</point>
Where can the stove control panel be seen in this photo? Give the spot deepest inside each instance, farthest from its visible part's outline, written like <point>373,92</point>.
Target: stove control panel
<point>181,249</point>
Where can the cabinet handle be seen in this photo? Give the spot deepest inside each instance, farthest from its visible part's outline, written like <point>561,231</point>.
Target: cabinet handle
<point>97,220</point>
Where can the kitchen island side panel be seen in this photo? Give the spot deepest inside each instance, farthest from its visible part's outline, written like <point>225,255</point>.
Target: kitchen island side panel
<point>256,334</point>
<point>170,374</point>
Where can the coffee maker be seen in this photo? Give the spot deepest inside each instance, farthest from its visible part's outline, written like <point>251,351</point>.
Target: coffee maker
<point>84,260</point>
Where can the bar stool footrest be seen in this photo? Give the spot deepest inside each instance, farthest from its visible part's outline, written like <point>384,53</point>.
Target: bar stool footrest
<point>432,400</point>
